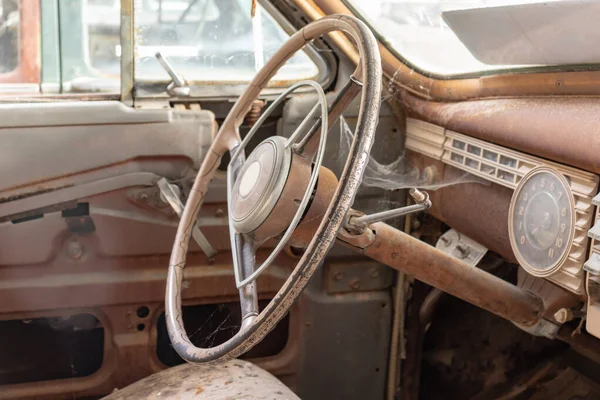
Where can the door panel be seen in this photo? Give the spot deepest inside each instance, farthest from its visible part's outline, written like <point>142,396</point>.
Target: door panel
<point>53,145</point>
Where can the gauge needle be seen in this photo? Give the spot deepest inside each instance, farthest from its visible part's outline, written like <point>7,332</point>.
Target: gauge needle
<point>544,222</point>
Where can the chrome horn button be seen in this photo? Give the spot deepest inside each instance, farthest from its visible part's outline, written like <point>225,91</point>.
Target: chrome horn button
<point>250,178</point>
<point>259,184</point>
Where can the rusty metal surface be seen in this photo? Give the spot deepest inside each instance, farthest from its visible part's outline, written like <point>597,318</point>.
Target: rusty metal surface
<point>114,271</point>
<point>326,186</point>
<point>436,268</point>
<point>553,296</point>
<point>561,129</point>
<point>130,354</point>
<point>355,276</point>
<point>477,210</point>
<point>118,273</point>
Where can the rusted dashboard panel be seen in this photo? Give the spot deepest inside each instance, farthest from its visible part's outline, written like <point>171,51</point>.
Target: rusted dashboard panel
<point>476,210</point>
<point>564,130</point>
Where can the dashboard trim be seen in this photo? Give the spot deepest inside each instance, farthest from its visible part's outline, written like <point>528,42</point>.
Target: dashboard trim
<point>584,185</point>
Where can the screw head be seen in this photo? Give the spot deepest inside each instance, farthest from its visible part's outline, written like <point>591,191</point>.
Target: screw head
<point>416,224</point>
<point>463,251</point>
<point>75,250</point>
<point>338,276</point>
<point>355,284</point>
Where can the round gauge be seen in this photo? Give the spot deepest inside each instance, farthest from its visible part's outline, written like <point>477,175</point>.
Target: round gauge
<point>542,221</point>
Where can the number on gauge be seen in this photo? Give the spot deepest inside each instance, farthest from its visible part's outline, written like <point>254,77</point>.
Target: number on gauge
<point>542,221</point>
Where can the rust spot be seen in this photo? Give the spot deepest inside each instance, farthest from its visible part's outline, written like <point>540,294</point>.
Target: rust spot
<point>39,191</point>
<point>199,389</point>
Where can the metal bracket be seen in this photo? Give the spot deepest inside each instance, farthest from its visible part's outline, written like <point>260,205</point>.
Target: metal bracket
<point>171,195</point>
<point>461,247</point>
<point>543,328</point>
<point>78,219</point>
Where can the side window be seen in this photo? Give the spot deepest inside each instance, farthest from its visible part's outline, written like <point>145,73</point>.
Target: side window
<point>89,37</point>
<point>73,46</point>
<point>211,42</point>
<point>19,46</point>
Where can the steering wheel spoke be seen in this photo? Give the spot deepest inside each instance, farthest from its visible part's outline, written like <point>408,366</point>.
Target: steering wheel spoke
<point>305,129</point>
<point>243,264</point>
<point>308,146</point>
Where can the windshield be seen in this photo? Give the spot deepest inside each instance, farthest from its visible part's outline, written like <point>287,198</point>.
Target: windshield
<point>211,40</point>
<point>450,37</point>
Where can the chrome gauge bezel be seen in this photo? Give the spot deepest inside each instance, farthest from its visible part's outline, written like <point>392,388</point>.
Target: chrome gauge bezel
<point>511,229</point>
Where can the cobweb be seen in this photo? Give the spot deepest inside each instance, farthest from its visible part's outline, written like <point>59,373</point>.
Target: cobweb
<point>396,175</point>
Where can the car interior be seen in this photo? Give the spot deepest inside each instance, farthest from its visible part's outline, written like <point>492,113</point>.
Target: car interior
<point>315,199</point>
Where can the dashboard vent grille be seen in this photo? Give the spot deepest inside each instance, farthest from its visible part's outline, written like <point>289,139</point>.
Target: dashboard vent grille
<point>507,167</point>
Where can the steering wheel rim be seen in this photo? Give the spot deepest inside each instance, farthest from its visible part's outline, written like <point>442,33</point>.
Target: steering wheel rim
<point>228,139</point>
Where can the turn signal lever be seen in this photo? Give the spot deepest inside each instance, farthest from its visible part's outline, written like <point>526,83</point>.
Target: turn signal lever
<point>359,222</point>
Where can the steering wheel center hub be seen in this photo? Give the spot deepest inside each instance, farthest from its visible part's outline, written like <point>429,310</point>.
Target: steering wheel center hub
<point>260,184</point>
<point>250,178</point>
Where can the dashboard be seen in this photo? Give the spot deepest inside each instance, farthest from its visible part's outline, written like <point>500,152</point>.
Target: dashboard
<point>542,212</point>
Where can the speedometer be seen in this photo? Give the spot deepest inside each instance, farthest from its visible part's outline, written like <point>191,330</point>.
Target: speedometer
<point>542,221</point>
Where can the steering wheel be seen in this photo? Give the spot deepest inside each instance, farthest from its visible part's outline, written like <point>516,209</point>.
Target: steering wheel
<point>279,187</point>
